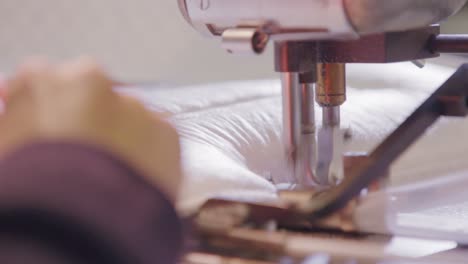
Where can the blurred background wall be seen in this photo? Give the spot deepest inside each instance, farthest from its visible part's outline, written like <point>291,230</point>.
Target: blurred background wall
<point>137,40</point>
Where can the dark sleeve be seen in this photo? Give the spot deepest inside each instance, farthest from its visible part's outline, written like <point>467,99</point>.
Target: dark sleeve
<point>71,203</point>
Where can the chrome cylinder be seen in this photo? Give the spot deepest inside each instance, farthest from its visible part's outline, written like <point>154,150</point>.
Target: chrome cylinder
<point>308,147</point>
<point>331,116</point>
<point>292,121</point>
<point>314,19</point>
<point>244,41</point>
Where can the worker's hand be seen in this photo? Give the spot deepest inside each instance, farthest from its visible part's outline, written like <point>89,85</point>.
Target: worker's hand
<point>75,102</point>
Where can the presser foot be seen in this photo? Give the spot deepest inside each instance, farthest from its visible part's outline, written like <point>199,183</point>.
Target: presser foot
<point>251,233</point>
<point>291,211</point>
<point>230,231</point>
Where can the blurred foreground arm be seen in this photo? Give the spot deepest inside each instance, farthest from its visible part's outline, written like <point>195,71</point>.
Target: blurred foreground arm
<point>86,176</point>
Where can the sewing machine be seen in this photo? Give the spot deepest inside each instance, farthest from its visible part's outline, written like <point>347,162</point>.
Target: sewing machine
<point>313,41</point>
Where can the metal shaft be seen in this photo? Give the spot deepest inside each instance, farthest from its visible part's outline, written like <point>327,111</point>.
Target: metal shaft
<point>308,147</point>
<point>450,44</point>
<point>331,93</point>
<point>292,121</point>
<point>331,115</point>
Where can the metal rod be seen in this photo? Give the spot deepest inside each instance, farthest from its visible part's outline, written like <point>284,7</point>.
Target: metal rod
<point>450,44</point>
<point>330,168</point>
<point>308,153</point>
<point>331,93</point>
<point>331,116</point>
<point>292,121</point>
<point>308,108</point>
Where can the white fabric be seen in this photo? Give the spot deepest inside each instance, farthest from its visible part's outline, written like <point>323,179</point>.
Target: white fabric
<point>231,131</point>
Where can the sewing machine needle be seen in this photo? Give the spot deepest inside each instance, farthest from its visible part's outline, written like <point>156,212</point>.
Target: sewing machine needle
<point>330,146</point>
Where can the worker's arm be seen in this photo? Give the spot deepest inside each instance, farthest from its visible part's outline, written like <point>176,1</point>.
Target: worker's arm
<point>86,176</point>
<point>75,202</point>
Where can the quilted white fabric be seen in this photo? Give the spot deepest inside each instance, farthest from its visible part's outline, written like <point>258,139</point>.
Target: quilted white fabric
<point>231,131</point>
